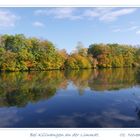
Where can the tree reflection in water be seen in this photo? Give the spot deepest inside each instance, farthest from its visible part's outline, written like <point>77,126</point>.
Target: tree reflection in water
<point>20,88</point>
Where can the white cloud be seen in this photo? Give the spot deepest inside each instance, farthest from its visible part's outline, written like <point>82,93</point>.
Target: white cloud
<point>133,28</point>
<point>138,32</point>
<point>102,14</point>
<point>96,12</point>
<point>7,18</point>
<point>59,13</point>
<point>108,14</point>
<point>38,24</point>
<point>113,15</point>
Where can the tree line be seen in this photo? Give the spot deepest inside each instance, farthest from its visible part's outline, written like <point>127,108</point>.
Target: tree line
<point>20,53</point>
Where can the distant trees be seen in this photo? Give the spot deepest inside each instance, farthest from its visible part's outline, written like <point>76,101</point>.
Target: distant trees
<point>114,55</point>
<point>19,53</point>
<point>80,59</point>
<point>102,53</point>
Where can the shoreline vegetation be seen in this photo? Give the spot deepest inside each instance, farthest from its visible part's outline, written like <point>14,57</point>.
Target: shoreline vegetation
<point>19,53</point>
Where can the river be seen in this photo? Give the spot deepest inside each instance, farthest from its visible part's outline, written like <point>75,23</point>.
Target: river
<point>78,99</point>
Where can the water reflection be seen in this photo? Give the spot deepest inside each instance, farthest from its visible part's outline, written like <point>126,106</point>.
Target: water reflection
<point>51,98</point>
<point>17,89</point>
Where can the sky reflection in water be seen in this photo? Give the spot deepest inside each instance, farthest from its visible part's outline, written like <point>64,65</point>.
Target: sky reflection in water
<point>86,98</point>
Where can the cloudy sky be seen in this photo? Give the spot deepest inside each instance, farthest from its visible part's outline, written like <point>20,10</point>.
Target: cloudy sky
<point>67,26</point>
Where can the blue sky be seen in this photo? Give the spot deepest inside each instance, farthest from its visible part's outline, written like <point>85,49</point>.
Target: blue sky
<point>67,26</point>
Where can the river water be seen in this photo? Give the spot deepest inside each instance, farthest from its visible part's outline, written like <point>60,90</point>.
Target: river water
<point>77,99</point>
